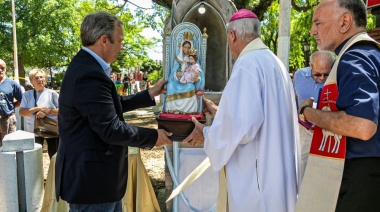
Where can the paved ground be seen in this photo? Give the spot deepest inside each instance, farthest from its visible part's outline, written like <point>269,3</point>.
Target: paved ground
<point>146,111</point>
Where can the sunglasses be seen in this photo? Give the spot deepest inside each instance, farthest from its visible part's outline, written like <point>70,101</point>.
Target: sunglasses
<point>319,75</point>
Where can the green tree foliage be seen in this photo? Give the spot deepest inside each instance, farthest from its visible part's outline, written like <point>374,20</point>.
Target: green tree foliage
<point>57,79</point>
<point>136,45</point>
<point>48,32</point>
<point>44,33</point>
<point>299,30</point>
<point>300,25</point>
<point>153,69</point>
<point>269,26</point>
<point>301,22</point>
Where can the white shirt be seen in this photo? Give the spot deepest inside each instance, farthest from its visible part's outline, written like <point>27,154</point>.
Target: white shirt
<point>46,98</point>
<point>253,134</point>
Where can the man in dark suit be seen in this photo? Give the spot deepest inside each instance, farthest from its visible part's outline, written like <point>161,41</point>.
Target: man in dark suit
<point>91,164</point>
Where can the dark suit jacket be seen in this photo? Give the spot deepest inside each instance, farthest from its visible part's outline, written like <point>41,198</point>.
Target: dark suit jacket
<point>91,164</point>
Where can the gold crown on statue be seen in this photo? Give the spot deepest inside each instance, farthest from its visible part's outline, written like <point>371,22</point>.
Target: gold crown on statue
<point>193,51</point>
<point>188,36</point>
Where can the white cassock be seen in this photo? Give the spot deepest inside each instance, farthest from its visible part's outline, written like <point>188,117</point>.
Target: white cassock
<point>254,134</point>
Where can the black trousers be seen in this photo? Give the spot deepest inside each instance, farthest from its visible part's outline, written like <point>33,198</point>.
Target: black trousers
<point>52,144</point>
<point>360,189</point>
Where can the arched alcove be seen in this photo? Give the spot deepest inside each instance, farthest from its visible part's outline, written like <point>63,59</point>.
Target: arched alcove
<point>216,72</point>
<point>218,61</point>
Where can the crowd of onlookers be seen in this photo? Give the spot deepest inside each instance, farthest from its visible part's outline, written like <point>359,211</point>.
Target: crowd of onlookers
<point>131,83</point>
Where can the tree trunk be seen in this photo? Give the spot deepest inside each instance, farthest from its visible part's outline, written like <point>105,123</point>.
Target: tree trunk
<point>21,70</point>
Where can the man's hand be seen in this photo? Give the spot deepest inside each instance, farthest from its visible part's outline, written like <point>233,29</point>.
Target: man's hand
<point>46,110</point>
<point>196,137</point>
<point>163,138</point>
<point>209,107</point>
<point>157,88</point>
<point>40,114</point>
<point>306,102</point>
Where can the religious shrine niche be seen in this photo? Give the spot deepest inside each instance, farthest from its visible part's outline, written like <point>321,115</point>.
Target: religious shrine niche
<point>184,71</point>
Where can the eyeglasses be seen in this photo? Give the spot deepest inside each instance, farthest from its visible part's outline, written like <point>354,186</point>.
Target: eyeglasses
<point>319,75</point>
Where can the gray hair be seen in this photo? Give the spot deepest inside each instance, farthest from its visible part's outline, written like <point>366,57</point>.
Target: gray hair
<point>34,72</point>
<point>246,29</point>
<point>325,54</point>
<point>97,24</point>
<point>358,10</point>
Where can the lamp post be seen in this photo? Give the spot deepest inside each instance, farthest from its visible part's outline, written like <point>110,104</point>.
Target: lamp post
<point>306,50</point>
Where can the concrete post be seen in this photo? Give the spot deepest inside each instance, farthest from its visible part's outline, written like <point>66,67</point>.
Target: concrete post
<point>284,32</point>
<point>21,176</point>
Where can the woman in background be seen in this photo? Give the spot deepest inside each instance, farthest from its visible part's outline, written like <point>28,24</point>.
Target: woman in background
<point>40,102</point>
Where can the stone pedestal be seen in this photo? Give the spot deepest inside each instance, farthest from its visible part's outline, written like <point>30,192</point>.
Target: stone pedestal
<point>21,175</point>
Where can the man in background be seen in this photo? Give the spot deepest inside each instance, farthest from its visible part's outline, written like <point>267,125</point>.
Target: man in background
<point>10,98</point>
<point>340,26</point>
<point>308,83</point>
<point>126,84</point>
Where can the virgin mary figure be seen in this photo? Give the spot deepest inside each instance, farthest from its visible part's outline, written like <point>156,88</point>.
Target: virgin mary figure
<point>183,98</point>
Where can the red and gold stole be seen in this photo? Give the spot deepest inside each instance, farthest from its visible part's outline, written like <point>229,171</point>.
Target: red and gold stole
<point>323,175</point>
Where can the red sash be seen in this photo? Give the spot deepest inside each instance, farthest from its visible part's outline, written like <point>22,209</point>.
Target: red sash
<point>324,170</point>
<point>325,143</point>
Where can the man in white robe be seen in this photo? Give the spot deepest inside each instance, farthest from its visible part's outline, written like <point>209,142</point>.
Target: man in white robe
<point>255,128</point>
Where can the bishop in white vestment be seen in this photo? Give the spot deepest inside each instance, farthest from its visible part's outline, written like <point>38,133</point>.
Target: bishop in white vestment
<point>255,128</point>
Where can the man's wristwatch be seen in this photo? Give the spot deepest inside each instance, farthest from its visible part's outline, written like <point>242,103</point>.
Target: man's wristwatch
<point>301,115</point>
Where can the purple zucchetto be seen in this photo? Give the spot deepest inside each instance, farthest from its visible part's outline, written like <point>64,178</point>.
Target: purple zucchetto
<point>243,13</point>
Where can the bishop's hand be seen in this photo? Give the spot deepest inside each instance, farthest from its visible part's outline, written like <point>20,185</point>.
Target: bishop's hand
<point>209,107</point>
<point>196,137</point>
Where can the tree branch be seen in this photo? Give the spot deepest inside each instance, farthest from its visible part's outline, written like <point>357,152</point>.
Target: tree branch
<point>127,1</point>
<point>304,8</point>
